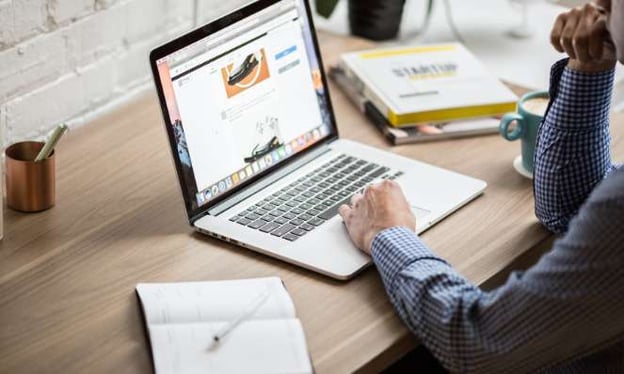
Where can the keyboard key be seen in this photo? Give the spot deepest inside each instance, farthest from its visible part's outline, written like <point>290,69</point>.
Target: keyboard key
<point>307,227</point>
<point>262,211</point>
<point>331,212</point>
<point>378,172</point>
<point>257,224</point>
<point>290,215</point>
<point>305,217</point>
<point>283,230</point>
<point>280,220</point>
<point>290,237</point>
<point>313,202</point>
<point>316,222</point>
<point>269,227</point>
<point>315,212</point>
<point>298,232</point>
<point>252,216</point>
<point>243,221</point>
<point>297,211</point>
<point>297,222</point>
<point>235,218</point>
<point>274,214</point>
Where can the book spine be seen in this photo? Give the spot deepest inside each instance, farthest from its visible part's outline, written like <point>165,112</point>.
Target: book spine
<point>380,122</point>
<point>366,90</point>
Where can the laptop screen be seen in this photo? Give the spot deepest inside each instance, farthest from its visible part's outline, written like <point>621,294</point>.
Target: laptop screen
<point>244,99</point>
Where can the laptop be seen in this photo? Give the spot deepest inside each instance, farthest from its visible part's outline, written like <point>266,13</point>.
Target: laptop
<point>255,144</point>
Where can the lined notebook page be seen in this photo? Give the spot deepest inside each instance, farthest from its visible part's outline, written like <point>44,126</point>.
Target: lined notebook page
<point>182,319</point>
<point>257,346</point>
<point>213,301</point>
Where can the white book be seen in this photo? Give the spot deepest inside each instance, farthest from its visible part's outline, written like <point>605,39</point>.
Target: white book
<point>427,84</point>
<point>183,318</point>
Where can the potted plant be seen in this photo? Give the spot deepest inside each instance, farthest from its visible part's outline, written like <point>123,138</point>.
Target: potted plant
<point>372,19</point>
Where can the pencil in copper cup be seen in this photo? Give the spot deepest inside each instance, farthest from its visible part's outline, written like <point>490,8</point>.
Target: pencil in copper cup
<point>30,185</point>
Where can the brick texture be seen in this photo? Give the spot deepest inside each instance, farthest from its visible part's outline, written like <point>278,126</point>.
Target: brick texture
<point>68,60</point>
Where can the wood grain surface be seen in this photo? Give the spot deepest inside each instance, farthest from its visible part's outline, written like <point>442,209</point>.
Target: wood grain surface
<point>67,275</point>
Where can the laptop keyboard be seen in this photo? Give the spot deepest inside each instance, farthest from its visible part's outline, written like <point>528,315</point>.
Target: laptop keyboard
<point>313,199</point>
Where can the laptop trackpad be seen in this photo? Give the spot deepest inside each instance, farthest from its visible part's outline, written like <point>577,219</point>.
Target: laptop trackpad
<point>421,214</point>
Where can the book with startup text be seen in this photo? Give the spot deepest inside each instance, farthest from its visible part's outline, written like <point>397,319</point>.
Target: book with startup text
<point>417,133</point>
<point>427,84</point>
<point>263,334</point>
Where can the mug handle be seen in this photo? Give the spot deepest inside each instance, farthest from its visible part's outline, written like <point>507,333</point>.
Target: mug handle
<point>504,126</point>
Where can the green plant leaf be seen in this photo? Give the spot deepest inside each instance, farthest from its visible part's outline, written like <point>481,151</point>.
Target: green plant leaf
<point>326,7</point>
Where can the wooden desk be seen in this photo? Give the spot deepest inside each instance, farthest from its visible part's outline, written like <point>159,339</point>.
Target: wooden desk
<point>67,276</point>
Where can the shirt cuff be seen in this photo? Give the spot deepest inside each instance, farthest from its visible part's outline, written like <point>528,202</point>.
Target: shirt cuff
<point>579,99</point>
<point>396,248</point>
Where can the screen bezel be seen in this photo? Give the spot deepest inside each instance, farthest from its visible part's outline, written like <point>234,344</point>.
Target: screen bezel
<point>193,210</point>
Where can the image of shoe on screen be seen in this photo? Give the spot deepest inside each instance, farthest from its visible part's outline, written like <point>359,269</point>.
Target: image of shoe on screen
<point>565,313</point>
<point>245,70</point>
<point>266,129</point>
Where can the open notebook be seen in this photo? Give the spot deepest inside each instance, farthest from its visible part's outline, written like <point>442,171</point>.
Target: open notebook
<point>182,319</point>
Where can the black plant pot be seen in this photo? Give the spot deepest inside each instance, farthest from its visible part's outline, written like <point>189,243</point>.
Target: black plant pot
<point>375,19</point>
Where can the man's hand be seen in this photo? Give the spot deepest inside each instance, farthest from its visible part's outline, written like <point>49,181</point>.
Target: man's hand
<point>582,33</point>
<point>382,206</point>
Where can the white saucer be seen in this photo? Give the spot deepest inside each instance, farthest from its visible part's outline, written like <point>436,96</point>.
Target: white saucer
<point>520,168</point>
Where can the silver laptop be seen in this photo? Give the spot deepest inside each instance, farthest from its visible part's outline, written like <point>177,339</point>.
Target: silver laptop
<point>256,147</point>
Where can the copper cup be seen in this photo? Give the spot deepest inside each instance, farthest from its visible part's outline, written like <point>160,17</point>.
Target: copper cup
<point>30,185</point>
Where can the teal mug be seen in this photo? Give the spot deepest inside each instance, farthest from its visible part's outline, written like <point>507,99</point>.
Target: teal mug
<point>531,110</point>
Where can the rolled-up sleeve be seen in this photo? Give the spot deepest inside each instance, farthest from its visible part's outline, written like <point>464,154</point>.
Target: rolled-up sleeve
<point>573,146</point>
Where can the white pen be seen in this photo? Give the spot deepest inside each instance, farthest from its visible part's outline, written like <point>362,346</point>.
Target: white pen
<point>48,147</point>
<point>246,313</point>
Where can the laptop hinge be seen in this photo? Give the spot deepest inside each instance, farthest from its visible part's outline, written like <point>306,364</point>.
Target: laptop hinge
<point>267,181</point>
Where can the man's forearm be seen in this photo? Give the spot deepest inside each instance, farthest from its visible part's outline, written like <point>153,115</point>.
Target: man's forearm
<point>573,147</point>
<point>524,325</point>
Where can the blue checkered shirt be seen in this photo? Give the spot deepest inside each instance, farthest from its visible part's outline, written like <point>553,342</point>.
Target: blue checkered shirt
<point>566,313</point>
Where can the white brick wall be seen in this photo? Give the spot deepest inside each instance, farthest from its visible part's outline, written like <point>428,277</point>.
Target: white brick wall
<point>69,60</point>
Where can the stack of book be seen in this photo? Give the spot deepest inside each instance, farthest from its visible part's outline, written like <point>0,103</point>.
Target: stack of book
<point>424,93</point>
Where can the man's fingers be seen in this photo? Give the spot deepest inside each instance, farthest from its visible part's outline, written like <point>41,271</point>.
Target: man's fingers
<point>567,34</point>
<point>345,212</point>
<point>555,35</point>
<point>581,45</point>
<point>598,36</point>
<point>355,199</point>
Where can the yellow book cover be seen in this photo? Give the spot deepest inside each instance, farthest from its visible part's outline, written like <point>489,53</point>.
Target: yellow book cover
<point>427,83</point>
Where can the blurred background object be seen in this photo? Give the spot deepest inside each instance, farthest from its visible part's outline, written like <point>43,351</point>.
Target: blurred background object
<point>374,19</point>
<point>526,26</point>
<point>72,60</point>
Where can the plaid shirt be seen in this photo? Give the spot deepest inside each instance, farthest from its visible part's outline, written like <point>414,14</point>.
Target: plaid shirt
<point>566,313</point>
